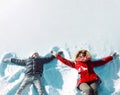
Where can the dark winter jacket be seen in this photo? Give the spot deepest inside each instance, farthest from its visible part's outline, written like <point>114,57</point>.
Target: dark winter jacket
<point>85,70</point>
<point>33,65</point>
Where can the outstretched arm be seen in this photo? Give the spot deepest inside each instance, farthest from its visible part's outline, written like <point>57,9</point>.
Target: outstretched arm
<point>47,59</point>
<point>106,59</point>
<point>14,60</point>
<point>63,60</point>
<point>102,61</point>
<point>18,61</point>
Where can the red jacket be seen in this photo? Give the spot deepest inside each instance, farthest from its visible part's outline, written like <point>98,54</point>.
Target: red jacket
<point>86,70</point>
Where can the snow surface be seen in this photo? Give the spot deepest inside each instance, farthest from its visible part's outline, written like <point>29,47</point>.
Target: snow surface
<point>37,25</point>
<point>59,79</point>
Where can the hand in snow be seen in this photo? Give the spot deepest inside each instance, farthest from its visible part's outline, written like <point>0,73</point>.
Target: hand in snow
<point>54,53</point>
<point>115,54</point>
<point>60,52</point>
<point>7,60</point>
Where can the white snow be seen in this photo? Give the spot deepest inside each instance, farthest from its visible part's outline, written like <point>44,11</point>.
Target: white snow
<point>59,79</point>
<point>71,25</point>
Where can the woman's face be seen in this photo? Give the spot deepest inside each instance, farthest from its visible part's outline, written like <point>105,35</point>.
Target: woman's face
<point>83,57</point>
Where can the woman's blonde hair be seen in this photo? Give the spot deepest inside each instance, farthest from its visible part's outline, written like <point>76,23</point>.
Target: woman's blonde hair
<point>83,51</point>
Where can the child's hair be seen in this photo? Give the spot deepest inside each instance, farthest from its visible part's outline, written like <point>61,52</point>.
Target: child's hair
<point>83,51</point>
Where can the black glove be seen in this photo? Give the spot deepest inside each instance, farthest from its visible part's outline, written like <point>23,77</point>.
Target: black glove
<point>54,53</point>
<point>115,54</point>
<point>60,52</point>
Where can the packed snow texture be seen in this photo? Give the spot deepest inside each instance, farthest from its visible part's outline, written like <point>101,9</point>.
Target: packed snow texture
<point>59,79</point>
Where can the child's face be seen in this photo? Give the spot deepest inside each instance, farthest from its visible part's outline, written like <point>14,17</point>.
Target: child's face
<point>83,57</point>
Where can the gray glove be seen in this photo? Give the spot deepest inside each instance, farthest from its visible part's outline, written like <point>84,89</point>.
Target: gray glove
<point>7,60</point>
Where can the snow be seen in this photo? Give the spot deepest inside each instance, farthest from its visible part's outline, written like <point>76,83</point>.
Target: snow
<point>59,79</point>
<point>71,25</point>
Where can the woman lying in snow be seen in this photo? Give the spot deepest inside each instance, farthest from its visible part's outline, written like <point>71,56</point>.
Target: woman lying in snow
<point>88,80</point>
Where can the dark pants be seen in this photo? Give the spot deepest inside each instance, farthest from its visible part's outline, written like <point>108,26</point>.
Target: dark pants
<point>89,88</point>
<point>28,80</point>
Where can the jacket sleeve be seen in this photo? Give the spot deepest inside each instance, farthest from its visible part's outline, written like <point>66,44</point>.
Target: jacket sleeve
<point>47,59</point>
<point>102,61</point>
<point>18,61</point>
<point>65,61</point>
